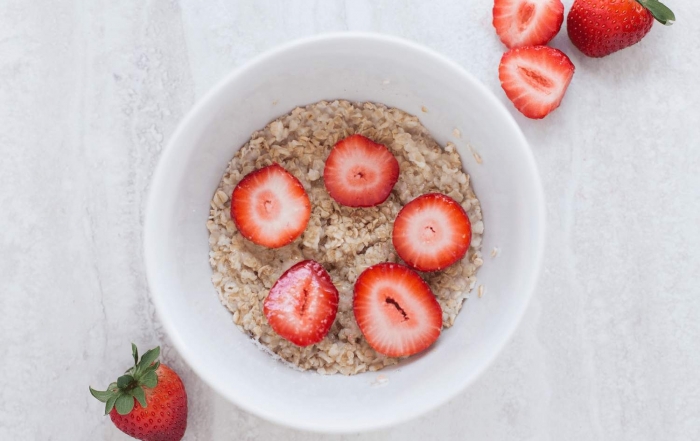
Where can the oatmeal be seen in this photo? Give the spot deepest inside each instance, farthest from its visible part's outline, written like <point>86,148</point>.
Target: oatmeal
<point>345,240</point>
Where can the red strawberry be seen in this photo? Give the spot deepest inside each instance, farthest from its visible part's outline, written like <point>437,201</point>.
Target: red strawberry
<point>270,207</point>
<point>432,232</point>
<point>535,78</point>
<point>148,402</point>
<point>359,172</point>
<point>396,310</point>
<point>601,27</point>
<point>527,22</point>
<point>302,304</point>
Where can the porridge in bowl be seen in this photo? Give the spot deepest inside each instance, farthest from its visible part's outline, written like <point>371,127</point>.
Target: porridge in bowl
<point>342,257</point>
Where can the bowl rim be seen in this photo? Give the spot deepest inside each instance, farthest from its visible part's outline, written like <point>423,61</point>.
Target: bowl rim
<point>159,175</point>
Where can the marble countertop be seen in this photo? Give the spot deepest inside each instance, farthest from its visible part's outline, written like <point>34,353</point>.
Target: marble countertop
<point>91,90</point>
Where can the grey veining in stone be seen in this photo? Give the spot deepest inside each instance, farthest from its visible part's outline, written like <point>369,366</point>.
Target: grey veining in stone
<point>91,90</point>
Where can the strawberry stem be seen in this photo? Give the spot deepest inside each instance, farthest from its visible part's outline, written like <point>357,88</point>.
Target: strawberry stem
<point>129,387</point>
<point>661,12</point>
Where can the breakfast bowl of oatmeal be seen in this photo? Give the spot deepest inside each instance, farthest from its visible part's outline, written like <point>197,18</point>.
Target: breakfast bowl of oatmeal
<point>344,233</point>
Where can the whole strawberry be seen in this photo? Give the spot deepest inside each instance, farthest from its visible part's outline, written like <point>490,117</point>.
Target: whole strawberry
<point>601,27</point>
<point>148,402</point>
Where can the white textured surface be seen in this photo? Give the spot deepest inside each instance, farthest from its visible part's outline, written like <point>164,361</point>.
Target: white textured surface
<point>91,90</point>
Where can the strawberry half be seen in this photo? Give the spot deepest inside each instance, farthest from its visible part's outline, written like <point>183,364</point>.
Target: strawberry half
<point>302,304</point>
<point>432,232</point>
<point>535,78</point>
<point>270,207</point>
<point>396,310</point>
<point>359,172</point>
<point>527,22</point>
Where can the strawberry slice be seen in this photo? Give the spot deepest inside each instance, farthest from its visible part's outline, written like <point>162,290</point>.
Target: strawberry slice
<point>359,172</point>
<point>270,207</point>
<point>302,304</point>
<point>535,79</point>
<point>431,232</point>
<point>527,22</point>
<point>396,310</point>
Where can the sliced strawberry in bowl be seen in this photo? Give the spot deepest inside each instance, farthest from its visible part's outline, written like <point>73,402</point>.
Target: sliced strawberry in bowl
<point>396,310</point>
<point>270,207</point>
<point>527,22</point>
<point>302,304</point>
<point>359,172</point>
<point>535,78</point>
<point>431,232</point>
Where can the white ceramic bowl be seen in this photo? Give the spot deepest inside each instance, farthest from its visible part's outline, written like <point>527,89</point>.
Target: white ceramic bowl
<point>358,67</point>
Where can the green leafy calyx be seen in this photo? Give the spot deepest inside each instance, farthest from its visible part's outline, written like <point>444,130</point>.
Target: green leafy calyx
<point>129,387</point>
<point>661,12</point>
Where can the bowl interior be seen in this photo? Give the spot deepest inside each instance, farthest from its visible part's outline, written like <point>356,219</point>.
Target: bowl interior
<point>357,68</point>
